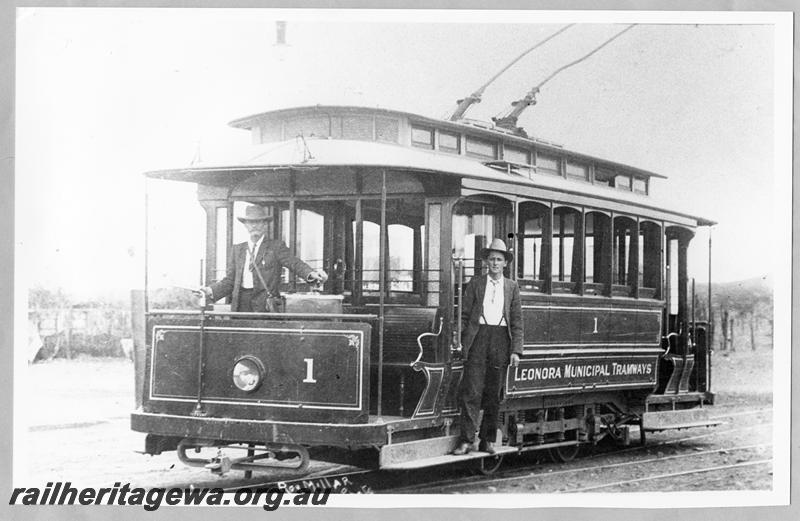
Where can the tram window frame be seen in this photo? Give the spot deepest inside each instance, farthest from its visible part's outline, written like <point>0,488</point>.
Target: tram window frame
<point>221,250</point>
<point>596,256</point>
<point>624,239</point>
<point>384,124</point>
<point>323,121</point>
<point>473,147</point>
<point>516,155</point>
<point>650,235</point>
<point>494,212</point>
<point>623,182</point>
<point>366,132</point>
<point>563,251</point>
<point>446,147</point>
<point>576,170</point>
<point>553,166</point>
<point>417,132</point>
<point>400,218</point>
<point>604,177</point>
<point>640,185</point>
<point>531,243</point>
<point>270,131</point>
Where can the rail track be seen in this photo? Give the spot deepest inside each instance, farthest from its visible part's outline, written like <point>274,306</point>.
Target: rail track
<point>528,468</point>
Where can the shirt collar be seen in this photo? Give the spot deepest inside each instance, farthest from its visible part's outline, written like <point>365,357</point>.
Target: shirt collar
<point>257,244</point>
<point>495,282</point>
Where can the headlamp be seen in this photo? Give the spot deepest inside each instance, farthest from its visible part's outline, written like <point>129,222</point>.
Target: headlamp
<point>248,373</point>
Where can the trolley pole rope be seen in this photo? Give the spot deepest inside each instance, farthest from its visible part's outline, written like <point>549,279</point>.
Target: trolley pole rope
<point>567,66</point>
<point>475,97</point>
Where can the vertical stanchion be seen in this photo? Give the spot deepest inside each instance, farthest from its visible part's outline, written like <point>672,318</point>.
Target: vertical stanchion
<point>382,292</point>
<point>710,337</point>
<point>200,360</point>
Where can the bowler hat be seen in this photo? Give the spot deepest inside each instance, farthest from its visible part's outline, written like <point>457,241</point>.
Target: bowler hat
<point>497,245</point>
<point>255,213</point>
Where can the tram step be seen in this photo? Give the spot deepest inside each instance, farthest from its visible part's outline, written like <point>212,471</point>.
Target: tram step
<point>447,459</point>
<point>427,453</point>
<point>683,419</point>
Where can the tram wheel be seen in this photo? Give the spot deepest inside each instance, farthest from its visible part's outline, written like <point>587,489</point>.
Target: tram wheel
<point>490,464</point>
<point>564,453</point>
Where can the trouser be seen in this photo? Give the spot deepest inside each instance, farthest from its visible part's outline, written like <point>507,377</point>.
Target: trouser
<point>482,384</point>
<point>258,301</point>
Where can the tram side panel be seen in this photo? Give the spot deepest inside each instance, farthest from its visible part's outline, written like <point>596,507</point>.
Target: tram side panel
<point>310,371</point>
<point>587,345</point>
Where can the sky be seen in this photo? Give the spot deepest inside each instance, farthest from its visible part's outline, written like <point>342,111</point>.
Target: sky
<point>103,95</point>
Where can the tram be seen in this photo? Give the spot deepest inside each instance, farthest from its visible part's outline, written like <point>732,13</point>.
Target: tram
<point>396,207</point>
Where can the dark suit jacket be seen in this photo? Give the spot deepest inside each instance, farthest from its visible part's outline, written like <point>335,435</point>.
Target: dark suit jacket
<point>271,256</point>
<point>472,310</point>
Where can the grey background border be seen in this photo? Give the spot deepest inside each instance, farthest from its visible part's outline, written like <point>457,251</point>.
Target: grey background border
<point>7,81</point>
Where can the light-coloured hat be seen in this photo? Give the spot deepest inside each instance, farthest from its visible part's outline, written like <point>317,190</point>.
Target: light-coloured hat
<point>497,245</point>
<point>255,213</point>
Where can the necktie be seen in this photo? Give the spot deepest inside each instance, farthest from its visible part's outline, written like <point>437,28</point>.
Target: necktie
<point>251,250</point>
<point>494,289</point>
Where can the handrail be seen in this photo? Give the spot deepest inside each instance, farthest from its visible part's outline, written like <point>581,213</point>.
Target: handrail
<point>669,344</point>
<point>423,335</point>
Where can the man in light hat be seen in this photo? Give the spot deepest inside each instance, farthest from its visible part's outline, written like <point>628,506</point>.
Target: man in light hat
<point>491,317</point>
<point>253,276</point>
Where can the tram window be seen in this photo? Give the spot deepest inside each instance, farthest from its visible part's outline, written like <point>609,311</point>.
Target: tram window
<point>577,171</point>
<point>308,127</point>
<point>649,256</point>
<point>357,127</point>
<point>449,142</point>
<point>433,250</point>
<point>547,164</point>
<point>405,251</point>
<point>221,262</point>
<point>623,182</point>
<point>387,130</point>
<point>370,277</point>
<point>532,249</point>
<point>672,266</point>
<point>481,148</point>
<point>604,177</point>
<point>563,251</point>
<point>517,155</point>
<point>624,241</point>
<point>640,185</point>
<point>310,238</point>
<point>271,131</point>
<point>422,137</point>
<point>597,244</point>
<point>532,222</point>
<point>475,224</point>
<point>401,258</point>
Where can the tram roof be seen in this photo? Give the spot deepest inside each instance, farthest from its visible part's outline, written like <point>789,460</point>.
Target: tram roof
<point>465,125</point>
<point>315,153</point>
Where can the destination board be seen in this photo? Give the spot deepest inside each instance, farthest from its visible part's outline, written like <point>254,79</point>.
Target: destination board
<point>534,376</point>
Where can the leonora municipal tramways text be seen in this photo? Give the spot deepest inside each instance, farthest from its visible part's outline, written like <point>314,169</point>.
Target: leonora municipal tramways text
<point>395,208</point>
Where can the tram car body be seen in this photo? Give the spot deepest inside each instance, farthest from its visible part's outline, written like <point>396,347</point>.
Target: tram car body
<point>399,206</point>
